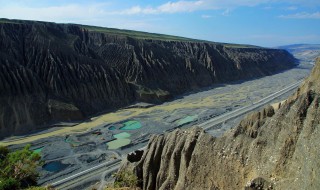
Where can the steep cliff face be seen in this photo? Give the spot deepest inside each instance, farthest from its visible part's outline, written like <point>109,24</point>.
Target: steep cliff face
<point>267,150</point>
<point>53,72</point>
<point>41,73</point>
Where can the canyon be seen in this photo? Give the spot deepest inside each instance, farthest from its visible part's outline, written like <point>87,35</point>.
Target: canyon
<point>85,96</point>
<point>50,73</point>
<point>274,148</point>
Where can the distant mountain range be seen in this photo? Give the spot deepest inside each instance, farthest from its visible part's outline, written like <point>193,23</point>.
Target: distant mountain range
<point>306,53</point>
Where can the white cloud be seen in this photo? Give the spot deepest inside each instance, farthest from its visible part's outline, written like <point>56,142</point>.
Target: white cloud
<point>94,14</point>
<point>198,5</point>
<point>190,6</point>
<point>181,6</point>
<point>206,16</point>
<point>226,12</point>
<point>135,10</point>
<point>53,13</point>
<point>169,7</point>
<point>99,11</point>
<point>132,10</point>
<point>302,15</point>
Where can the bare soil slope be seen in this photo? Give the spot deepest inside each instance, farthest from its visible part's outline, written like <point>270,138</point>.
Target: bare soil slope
<point>267,150</point>
<point>59,72</point>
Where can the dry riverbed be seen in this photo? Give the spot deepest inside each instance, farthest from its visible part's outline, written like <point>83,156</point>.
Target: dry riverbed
<point>107,137</point>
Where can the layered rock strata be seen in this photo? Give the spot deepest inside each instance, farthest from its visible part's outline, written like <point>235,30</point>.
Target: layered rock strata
<point>59,72</point>
<point>267,150</point>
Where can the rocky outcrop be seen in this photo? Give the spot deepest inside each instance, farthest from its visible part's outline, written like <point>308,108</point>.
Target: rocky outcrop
<point>267,150</point>
<point>84,70</point>
<point>253,122</point>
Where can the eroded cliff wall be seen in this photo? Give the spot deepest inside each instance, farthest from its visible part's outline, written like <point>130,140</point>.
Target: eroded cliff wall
<point>59,72</point>
<point>267,150</point>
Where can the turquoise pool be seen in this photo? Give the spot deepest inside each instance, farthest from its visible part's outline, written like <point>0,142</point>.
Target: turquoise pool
<point>38,150</point>
<point>71,142</point>
<point>122,135</point>
<point>187,119</point>
<point>118,143</point>
<point>131,125</point>
<point>122,139</point>
<point>112,128</point>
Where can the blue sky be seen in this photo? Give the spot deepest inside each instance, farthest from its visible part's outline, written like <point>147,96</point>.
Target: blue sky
<point>259,22</point>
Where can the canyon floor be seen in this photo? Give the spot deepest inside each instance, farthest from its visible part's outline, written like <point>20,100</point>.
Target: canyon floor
<point>73,147</point>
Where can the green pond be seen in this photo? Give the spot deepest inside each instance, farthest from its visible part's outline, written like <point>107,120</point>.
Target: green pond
<point>38,150</point>
<point>122,135</point>
<point>131,125</point>
<point>122,139</point>
<point>118,143</point>
<point>112,128</point>
<point>187,119</point>
<point>70,141</point>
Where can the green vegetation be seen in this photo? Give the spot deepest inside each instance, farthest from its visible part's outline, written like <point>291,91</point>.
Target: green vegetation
<point>40,188</point>
<point>7,21</point>
<point>18,169</point>
<point>239,45</point>
<point>134,34</point>
<point>137,34</point>
<point>124,180</point>
<point>155,36</point>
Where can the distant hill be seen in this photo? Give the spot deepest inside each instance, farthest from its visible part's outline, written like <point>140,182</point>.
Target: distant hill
<point>306,53</point>
<point>62,72</point>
